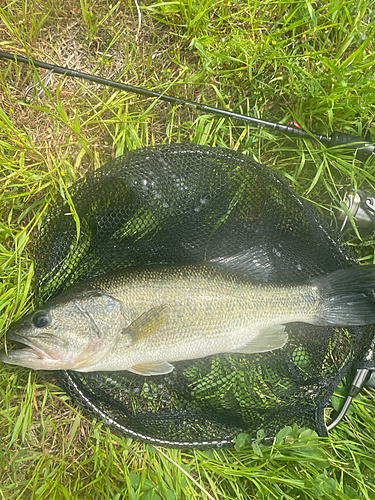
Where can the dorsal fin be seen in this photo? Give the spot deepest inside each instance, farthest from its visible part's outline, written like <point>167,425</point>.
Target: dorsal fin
<point>253,263</point>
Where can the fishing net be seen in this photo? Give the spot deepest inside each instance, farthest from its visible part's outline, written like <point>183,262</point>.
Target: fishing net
<point>185,203</point>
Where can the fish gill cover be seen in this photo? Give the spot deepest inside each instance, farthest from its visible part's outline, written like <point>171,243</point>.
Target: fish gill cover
<point>185,203</point>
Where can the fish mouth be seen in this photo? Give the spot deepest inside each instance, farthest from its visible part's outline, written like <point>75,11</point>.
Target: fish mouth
<point>31,348</point>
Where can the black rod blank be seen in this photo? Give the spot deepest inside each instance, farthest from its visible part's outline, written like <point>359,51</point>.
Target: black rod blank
<point>363,149</point>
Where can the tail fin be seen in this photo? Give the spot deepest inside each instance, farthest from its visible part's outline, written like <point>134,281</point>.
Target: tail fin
<point>347,297</point>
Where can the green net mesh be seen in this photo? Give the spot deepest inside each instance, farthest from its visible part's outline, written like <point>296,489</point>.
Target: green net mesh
<point>185,203</point>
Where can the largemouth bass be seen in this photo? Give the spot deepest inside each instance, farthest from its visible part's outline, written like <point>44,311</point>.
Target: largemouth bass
<point>144,319</point>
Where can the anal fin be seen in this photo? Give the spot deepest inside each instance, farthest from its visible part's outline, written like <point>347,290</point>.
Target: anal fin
<point>153,368</point>
<point>268,339</point>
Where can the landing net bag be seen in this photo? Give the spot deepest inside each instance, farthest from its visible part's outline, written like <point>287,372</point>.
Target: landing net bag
<point>185,203</point>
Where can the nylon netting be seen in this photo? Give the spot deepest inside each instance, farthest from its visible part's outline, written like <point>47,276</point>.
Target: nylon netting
<point>185,203</point>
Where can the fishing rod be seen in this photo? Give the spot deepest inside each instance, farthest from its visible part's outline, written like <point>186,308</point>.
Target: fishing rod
<point>363,149</point>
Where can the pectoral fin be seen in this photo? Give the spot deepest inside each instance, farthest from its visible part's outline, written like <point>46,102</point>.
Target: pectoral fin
<point>147,324</point>
<point>267,340</point>
<point>154,368</point>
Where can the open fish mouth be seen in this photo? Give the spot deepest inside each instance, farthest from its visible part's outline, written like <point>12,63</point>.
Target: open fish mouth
<point>30,350</point>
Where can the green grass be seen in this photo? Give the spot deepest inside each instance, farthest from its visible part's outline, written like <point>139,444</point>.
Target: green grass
<point>311,62</point>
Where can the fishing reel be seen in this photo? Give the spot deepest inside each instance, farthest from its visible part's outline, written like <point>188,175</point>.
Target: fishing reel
<point>360,205</point>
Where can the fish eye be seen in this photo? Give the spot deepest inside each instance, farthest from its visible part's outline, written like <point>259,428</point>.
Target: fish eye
<point>40,319</point>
